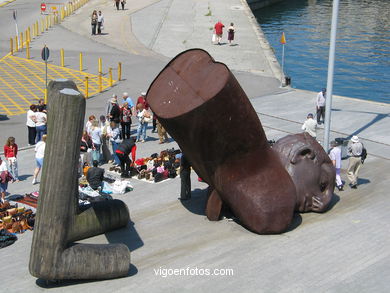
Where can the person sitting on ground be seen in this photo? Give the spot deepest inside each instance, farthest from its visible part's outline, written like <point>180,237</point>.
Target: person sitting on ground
<point>95,176</point>
<point>123,151</point>
<point>310,125</point>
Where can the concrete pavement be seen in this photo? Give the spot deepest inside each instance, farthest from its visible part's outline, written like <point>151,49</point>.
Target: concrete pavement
<point>342,250</point>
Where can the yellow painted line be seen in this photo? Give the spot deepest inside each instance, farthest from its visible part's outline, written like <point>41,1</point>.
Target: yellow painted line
<point>5,108</point>
<point>5,3</point>
<point>30,71</point>
<point>9,98</point>
<point>22,85</point>
<point>25,77</point>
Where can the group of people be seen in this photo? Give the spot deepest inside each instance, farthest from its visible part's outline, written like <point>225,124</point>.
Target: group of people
<point>114,128</point>
<point>356,150</point>
<point>97,21</point>
<point>121,2</point>
<point>36,122</point>
<point>218,32</point>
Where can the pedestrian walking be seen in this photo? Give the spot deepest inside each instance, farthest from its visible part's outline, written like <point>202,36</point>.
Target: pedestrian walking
<point>94,21</point>
<point>185,178</point>
<point>88,125</point>
<point>117,4</point>
<point>231,32</point>
<point>5,177</point>
<point>40,124</point>
<point>10,153</point>
<point>31,129</point>
<point>355,151</point>
<point>109,105</point>
<point>320,102</point>
<point>96,136</point>
<point>335,156</point>
<point>126,114</point>
<point>144,117</point>
<point>126,98</point>
<point>162,133</point>
<point>310,125</point>
<point>104,125</point>
<point>39,155</point>
<point>115,138</point>
<point>123,2</point>
<point>218,29</point>
<point>115,113</point>
<point>100,22</point>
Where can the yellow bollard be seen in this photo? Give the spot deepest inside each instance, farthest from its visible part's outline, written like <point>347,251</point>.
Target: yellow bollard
<point>45,95</point>
<point>86,87</point>
<point>21,41</point>
<point>16,44</point>
<point>81,61</point>
<point>119,71</point>
<point>62,57</point>
<point>28,34</point>
<point>46,23</point>
<point>110,75</point>
<point>28,50</point>
<point>100,65</point>
<point>36,28</point>
<point>12,46</point>
<point>100,83</point>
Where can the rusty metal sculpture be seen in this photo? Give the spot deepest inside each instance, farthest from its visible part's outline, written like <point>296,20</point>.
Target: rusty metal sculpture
<point>201,104</point>
<point>311,170</point>
<point>59,222</point>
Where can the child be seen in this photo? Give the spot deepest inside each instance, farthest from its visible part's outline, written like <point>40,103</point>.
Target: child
<point>10,152</point>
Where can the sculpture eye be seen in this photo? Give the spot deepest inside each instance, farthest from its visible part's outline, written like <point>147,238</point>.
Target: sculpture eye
<point>323,186</point>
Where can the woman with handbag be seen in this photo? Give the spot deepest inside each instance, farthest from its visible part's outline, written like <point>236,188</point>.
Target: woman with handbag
<point>126,120</point>
<point>94,21</point>
<point>144,117</point>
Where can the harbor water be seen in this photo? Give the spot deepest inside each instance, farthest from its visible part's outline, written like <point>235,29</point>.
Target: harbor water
<point>362,64</point>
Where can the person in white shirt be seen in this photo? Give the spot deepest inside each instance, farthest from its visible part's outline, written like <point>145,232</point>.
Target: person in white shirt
<point>100,21</point>
<point>39,154</point>
<point>321,98</point>
<point>310,125</point>
<point>335,156</point>
<point>32,131</point>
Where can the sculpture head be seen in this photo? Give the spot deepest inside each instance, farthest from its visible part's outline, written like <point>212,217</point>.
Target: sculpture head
<point>311,170</point>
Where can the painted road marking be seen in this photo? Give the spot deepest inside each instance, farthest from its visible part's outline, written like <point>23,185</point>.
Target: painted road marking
<point>22,82</point>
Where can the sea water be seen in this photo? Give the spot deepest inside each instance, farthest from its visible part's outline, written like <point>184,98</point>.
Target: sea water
<point>362,62</point>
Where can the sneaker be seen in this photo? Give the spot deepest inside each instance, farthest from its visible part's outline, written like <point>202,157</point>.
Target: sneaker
<point>34,181</point>
<point>143,140</point>
<point>340,188</point>
<point>354,186</point>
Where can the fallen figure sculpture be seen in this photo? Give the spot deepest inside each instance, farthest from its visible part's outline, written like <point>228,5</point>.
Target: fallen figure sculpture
<point>203,107</point>
<point>59,221</point>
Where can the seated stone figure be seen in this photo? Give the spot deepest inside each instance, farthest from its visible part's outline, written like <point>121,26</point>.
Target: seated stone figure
<point>311,170</point>
<point>202,106</point>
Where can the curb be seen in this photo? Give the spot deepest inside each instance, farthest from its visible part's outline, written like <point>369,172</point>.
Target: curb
<point>6,2</point>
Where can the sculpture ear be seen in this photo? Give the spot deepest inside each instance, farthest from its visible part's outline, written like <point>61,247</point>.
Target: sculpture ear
<point>301,153</point>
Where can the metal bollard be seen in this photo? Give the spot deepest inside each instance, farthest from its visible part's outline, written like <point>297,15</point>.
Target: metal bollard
<point>81,61</point>
<point>100,65</point>
<point>86,87</point>
<point>28,50</point>
<point>12,46</point>
<point>110,75</point>
<point>62,57</point>
<point>119,71</point>
<point>100,83</point>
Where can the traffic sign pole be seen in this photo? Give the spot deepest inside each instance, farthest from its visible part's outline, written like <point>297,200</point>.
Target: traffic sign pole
<point>45,55</point>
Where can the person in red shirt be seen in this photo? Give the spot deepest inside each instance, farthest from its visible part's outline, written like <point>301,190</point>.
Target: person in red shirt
<point>142,99</point>
<point>218,28</point>
<point>10,153</point>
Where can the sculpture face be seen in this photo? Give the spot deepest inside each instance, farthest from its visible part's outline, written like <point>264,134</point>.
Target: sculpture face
<point>311,170</point>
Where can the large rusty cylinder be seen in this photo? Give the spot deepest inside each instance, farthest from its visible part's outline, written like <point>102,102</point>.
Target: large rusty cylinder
<point>311,170</point>
<point>203,107</point>
<point>58,219</point>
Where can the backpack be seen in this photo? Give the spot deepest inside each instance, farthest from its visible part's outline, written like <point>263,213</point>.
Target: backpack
<point>363,156</point>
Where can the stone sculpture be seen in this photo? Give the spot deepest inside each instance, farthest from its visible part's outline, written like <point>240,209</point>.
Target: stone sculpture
<point>202,106</point>
<point>59,222</point>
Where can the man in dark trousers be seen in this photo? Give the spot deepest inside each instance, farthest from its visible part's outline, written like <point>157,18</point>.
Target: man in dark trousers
<point>123,151</point>
<point>95,176</point>
<point>185,177</point>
